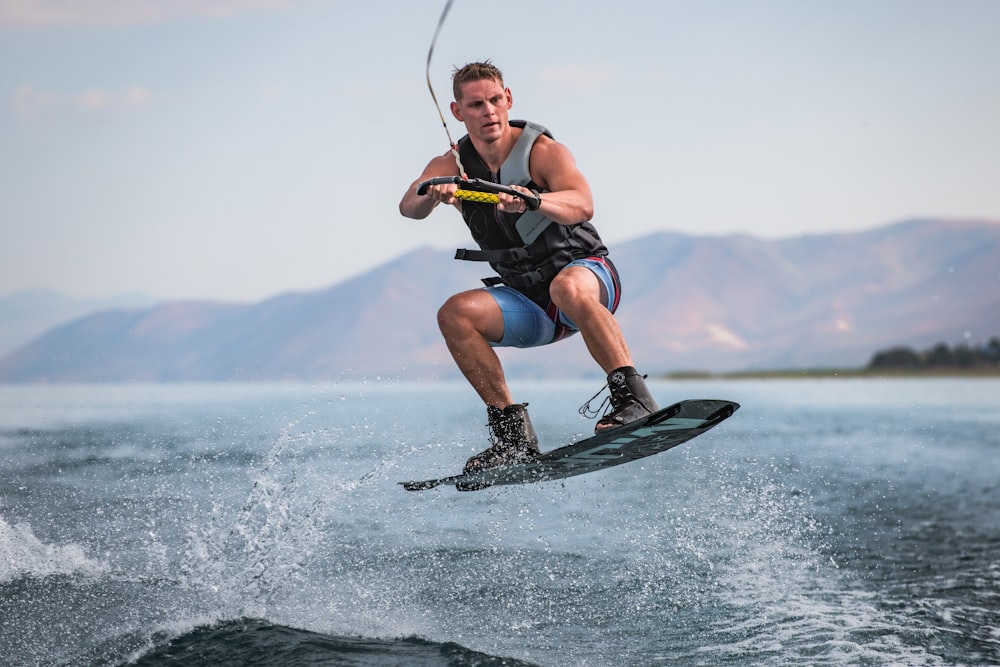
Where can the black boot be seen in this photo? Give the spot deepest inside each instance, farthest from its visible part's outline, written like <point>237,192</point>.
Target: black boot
<point>630,399</point>
<point>513,438</point>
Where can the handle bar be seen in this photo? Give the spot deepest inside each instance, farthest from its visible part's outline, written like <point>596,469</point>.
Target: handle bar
<point>478,190</point>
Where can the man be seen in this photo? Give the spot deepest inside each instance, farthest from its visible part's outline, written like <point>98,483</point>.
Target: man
<point>555,276</point>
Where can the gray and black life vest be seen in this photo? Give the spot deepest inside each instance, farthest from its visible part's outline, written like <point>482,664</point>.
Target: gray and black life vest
<point>527,249</point>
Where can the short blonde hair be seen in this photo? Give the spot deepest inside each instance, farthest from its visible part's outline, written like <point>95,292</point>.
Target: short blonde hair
<point>474,72</point>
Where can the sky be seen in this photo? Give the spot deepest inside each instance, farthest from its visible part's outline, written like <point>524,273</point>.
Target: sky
<point>239,149</point>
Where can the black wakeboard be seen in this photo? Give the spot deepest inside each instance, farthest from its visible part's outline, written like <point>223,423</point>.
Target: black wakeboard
<point>653,434</point>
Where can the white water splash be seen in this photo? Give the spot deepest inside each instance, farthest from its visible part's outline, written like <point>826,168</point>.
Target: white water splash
<point>24,555</point>
<point>246,556</point>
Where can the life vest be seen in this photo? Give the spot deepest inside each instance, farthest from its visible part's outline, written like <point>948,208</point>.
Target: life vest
<point>527,249</point>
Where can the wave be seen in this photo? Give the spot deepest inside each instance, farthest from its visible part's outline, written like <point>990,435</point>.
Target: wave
<point>24,555</point>
<point>258,642</point>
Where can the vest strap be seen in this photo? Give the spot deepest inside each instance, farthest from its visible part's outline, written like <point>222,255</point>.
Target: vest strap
<point>523,280</point>
<point>502,255</point>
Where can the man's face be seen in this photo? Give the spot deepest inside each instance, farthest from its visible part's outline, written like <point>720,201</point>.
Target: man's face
<point>483,108</point>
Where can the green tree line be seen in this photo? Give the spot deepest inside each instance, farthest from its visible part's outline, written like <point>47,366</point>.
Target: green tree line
<point>941,356</point>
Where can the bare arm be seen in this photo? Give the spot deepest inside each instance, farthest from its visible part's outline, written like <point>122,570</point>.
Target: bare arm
<point>552,166</point>
<point>419,207</point>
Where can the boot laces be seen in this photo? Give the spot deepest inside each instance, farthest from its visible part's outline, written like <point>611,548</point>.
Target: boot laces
<point>602,408</point>
<point>501,431</point>
<point>606,406</point>
<point>496,440</point>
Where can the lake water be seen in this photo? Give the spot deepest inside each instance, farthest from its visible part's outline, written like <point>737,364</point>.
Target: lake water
<point>828,522</point>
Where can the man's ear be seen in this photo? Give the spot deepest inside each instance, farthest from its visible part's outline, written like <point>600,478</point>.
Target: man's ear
<point>510,98</point>
<point>456,111</point>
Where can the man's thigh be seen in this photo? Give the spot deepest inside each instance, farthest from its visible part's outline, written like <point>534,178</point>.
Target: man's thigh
<point>525,324</point>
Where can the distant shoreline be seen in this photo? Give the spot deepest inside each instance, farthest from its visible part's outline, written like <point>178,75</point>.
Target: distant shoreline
<point>835,373</point>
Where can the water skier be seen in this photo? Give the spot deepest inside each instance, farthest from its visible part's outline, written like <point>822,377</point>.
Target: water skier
<point>555,277</point>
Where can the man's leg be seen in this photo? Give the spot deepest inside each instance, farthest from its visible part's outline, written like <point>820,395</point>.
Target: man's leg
<point>469,321</point>
<point>576,291</point>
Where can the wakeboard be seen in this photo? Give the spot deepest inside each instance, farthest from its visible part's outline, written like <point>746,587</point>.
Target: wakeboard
<point>653,434</point>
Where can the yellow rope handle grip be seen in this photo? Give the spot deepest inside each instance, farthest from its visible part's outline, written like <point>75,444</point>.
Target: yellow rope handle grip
<point>487,194</point>
<point>473,195</point>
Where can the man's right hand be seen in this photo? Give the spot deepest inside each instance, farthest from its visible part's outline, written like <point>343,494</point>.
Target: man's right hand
<point>443,193</point>
<point>419,207</point>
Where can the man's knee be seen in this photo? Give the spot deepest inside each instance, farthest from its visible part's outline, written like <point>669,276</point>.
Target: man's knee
<point>453,313</point>
<point>574,286</point>
<point>469,311</point>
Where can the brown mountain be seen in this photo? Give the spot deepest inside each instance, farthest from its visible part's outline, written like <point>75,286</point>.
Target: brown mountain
<point>711,303</point>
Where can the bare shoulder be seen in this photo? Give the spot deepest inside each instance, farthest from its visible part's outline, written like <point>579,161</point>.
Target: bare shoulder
<point>546,145</point>
<point>441,165</point>
<point>551,162</point>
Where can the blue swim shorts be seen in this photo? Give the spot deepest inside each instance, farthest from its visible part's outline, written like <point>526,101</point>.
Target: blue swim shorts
<point>526,324</point>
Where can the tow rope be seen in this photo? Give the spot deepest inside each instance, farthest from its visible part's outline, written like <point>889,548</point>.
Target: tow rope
<point>430,52</point>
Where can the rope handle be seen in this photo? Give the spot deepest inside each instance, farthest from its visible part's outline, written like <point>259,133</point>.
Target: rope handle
<point>476,196</point>
<point>478,190</point>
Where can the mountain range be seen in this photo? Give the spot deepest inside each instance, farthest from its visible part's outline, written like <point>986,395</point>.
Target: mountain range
<point>25,315</point>
<point>712,303</point>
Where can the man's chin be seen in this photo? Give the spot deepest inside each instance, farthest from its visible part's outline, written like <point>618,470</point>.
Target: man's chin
<point>491,132</point>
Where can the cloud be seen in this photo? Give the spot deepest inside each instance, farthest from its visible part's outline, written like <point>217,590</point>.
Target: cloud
<point>128,12</point>
<point>725,337</point>
<point>29,101</point>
